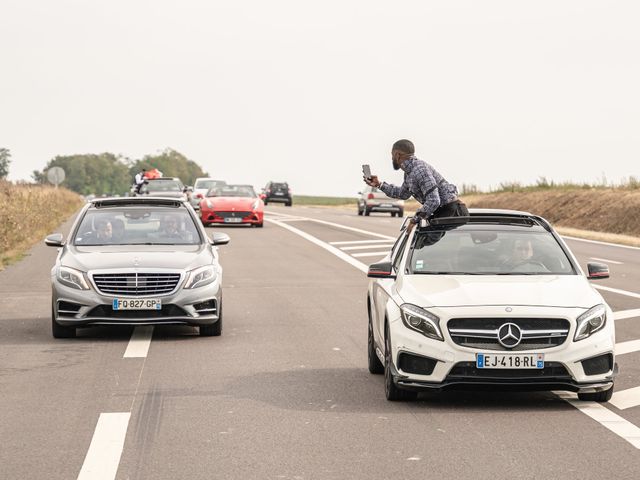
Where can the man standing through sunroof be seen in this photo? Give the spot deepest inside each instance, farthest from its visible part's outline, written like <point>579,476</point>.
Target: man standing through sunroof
<point>438,197</point>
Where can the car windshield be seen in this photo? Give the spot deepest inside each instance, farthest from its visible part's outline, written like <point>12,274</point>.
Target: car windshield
<point>207,184</point>
<point>162,186</point>
<point>471,251</point>
<point>137,226</point>
<point>232,191</point>
<point>279,186</point>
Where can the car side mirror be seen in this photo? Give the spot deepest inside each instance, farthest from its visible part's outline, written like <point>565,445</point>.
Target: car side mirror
<point>381,270</point>
<point>54,240</point>
<point>597,271</point>
<point>220,239</point>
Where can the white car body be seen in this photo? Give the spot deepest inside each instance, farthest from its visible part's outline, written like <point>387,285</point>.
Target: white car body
<point>487,299</point>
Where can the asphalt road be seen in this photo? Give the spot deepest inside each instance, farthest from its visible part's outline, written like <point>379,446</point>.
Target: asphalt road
<point>285,393</point>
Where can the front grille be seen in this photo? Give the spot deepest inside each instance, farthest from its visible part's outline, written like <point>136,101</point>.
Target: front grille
<point>136,283</point>
<point>467,371</point>
<point>107,311</point>
<point>232,214</point>
<point>482,333</point>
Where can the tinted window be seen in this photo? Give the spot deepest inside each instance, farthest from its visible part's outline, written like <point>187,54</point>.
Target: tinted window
<point>137,226</point>
<point>208,184</point>
<point>162,186</point>
<point>504,252</point>
<point>232,191</point>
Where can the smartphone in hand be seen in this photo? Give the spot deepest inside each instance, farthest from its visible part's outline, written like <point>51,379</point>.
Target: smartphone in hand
<point>366,171</point>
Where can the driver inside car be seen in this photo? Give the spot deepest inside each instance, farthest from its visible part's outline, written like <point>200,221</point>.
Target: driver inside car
<point>522,257</point>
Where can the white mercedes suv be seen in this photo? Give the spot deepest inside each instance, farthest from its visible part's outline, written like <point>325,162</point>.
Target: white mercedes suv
<point>493,300</point>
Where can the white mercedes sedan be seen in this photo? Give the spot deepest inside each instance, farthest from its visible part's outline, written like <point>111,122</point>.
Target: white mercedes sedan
<point>495,300</point>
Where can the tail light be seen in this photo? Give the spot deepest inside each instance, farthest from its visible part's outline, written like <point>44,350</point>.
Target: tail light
<point>371,196</point>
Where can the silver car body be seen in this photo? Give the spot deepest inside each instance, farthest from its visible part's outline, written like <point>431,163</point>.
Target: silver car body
<point>374,200</point>
<point>142,269</point>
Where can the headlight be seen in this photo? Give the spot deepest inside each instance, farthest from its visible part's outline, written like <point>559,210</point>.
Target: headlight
<point>421,321</point>
<point>255,204</point>
<point>200,277</point>
<point>209,204</point>
<point>590,322</point>
<point>72,278</point>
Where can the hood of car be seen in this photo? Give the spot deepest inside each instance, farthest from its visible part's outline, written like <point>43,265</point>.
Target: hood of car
<point>479,290</point>
<point>181,257</point>
<point>231,203</point>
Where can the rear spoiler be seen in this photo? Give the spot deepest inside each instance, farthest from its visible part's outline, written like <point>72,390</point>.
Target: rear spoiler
<point>135,201</point>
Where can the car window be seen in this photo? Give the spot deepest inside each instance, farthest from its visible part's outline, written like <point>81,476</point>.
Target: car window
<point>208,184</point>
<point>162,186</point>
<point>232,191</point>
<point>489,252</point>
<point>396,256</point>
<point>137,226</point>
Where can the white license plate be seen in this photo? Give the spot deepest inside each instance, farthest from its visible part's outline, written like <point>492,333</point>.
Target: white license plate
<point>232,220</point>
<point>386,205</point>
<point>279,193</point>
<point>512,360</point>
<point>137,304</point>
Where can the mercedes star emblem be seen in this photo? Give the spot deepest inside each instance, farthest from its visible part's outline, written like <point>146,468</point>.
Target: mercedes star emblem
<point>509,335</point>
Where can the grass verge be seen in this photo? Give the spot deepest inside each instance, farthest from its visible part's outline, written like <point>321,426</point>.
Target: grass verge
<point>30,212</point>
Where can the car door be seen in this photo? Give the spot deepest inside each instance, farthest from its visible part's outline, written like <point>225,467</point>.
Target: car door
<point>383,287</point>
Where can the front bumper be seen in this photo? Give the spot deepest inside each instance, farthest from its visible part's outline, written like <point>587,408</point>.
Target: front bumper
<point>196,307</point>
<point>384,207</point>
<point>455,365</point>
<point>252,218</point>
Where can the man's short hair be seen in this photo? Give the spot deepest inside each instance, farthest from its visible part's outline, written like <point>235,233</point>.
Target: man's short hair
<point>405,146</point>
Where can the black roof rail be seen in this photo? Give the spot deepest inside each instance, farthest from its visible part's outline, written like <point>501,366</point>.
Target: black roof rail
<point>133,201</point>
<point>498,218</point>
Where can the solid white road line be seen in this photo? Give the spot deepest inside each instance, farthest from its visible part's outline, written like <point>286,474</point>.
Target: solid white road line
<point>371,254</point>
<point>354,242</point>
<point>344,227</point>
<point>618,291</point>
<point>337,252</point>
<point>627,347</point>
<point>626,398</point>
<point>622,314</point>
<point>606,260</point>
<point>606,418</point>
<point>140,341</point>
<point>103,456</point>
<point>366,247</point>
<point>601,243</point>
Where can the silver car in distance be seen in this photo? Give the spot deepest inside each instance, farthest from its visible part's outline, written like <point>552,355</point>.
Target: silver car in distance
<point>136,261</point>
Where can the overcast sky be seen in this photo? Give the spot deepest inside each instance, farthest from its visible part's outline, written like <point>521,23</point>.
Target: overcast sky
<point>489,91</point>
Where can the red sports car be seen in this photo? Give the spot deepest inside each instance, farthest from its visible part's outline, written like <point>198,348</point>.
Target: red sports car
<point>232,204</point>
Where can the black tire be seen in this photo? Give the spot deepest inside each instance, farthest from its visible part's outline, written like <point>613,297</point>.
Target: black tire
<point>366,212</point>
<point>61,331</point>
<point>359,211</point>
<point>393,214</point>
<point>215,329</point>
<point>265,203</point>
<point>401,213</point>
<point>599,397</point>
<point>288,204</point>
<point>375,365</point>
<point>392,392</point>
<point>258,225</point>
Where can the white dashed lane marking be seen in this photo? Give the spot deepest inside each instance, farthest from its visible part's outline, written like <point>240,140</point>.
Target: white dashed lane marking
<point>622,314</point>
<point>606,261</point>
<point>626,398</point>
<point>371,254</point>
<point>618,291</point>
<point>140,341</point>
<point>103,456</point>
<point>627,347</point>
<point>354,242</point>
<point>365,247</point>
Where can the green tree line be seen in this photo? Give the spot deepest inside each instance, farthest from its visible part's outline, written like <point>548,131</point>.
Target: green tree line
<point>110,174</point>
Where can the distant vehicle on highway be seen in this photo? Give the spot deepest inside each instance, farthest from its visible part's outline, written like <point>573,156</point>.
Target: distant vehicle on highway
<point>277,192</point>
<point>200,188</point>
<point>139,261</point>
<point>494,300</point>
<point>163,187</point>
<point>374,200</point>
<point>232,204</point>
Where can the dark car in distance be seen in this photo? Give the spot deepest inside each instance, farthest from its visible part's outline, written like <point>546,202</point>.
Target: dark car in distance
<point>277,192</point>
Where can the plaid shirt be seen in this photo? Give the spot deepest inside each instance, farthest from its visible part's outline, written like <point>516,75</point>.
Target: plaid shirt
<point>420,178</point>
